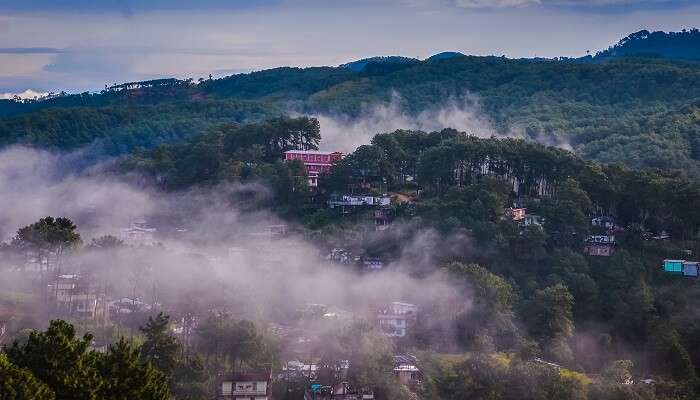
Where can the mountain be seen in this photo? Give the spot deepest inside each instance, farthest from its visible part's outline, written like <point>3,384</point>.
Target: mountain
<point>684,45</point>
<point>444,55</point>
<point>360,65</point>
<point>629,110</point>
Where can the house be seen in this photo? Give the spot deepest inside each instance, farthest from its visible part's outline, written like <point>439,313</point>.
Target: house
<point>673,266</point>
<point>138,234</point>
<point>516,214</point>
<point>298,369</point>
<point>127,305</point>
<point>604,222</point>
<point>249,385</point>
<point>690,269</point>
<point>372,264</point>
<point>599,245</point>
<point>341,256</point>
<point>76,294</point>
<point>382,218</point>
<point>342,391</point>
<point>315,162</point>
<point>396,319</point>
<point>406,371</point>
<point>599,249</point>
<point>601,239</point>
<point>358,201</point>
<point>531,220</point>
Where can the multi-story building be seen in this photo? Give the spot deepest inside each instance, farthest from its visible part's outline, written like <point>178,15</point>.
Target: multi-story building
<point>396,319</point>
<point>75,294</point>
<point>316,162</point>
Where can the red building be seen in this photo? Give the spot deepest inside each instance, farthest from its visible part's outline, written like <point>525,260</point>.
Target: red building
<point>316,162</point>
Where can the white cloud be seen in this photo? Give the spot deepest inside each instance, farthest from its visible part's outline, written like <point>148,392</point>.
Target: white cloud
<point>495,3</point>
<point>27,94</point>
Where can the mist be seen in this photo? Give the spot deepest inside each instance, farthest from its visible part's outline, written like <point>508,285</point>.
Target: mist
<point>214,254</point>
<point>345,134</point>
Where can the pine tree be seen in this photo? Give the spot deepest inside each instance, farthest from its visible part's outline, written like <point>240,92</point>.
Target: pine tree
<point>19,383</point>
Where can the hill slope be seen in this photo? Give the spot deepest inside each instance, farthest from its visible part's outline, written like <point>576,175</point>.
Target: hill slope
<point>620,109</point>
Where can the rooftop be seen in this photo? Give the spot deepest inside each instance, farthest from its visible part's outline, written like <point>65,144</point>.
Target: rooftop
<point>312,152</point>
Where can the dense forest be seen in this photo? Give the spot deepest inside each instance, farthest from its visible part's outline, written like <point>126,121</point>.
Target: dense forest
<point>627,108</point>
<point>622,307</point>
<point>679,45</point>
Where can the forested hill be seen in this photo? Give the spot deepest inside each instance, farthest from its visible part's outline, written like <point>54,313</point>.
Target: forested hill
<point>638,111</point>
<point>683,45</point>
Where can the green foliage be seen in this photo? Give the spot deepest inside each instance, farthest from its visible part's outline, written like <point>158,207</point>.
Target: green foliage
<point>159,347</point>
<point>238,341</point>
<point>125,376</point>
<point>61,360</point>
<point>19,384</point>
<point>637,111</point>
<point>48,234</point>
<point>56,362</point>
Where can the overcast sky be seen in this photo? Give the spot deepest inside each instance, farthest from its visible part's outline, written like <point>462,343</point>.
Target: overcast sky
<point>78,45</point>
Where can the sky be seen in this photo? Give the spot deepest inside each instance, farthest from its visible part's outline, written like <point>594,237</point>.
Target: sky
<point>79,45</point>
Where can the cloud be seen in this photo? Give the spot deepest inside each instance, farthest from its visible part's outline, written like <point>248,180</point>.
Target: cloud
<point>346,134</point>
<point>30,50</point>
<point>521,3</point>
<point>494,3</point>
<point>27,94</point>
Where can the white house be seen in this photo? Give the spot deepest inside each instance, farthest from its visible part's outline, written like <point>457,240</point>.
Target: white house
<point>253,385</point>
<point>396,319</point>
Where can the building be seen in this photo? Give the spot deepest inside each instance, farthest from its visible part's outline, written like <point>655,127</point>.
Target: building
<point>406,370</point>
<point>342,391</point>
<point>673,266</point>
<point>250,385</point>
<point>76,294</point>
<point>138,234</point>
<point>599,249</point>
<point>127,305</point>
<point>372,264</point>
<point>358,201</point>
<point>531,220</point>
<point>516,214</point>
<point>395,320</point>
<point>316,162</point>
<point>601,239</point>
<point>299,369</point>
<point>604,222</point>
<point>599,245</point>
<point>382,218</point>
<point>690,269</point>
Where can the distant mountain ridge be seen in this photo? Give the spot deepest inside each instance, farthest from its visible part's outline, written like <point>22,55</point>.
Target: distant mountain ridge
<point>683,45</point>
<point>616,107</point>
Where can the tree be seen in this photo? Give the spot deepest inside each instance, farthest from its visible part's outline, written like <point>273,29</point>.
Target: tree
<point>619,371</point>
<point>61,360</point>
<point>159,347</point>
<point>125,376</point>
<point>548,315</point>
<point>106,242</point>
<point>19,384</point>
<point>46,236</point>
<point>491,314</point>
<point>189,380</point>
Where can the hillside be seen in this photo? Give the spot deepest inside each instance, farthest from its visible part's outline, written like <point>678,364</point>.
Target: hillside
<point>683,45</point>
<point>629,110</point>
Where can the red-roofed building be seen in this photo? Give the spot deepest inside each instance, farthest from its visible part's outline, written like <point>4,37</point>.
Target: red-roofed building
<point>316,162</point>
